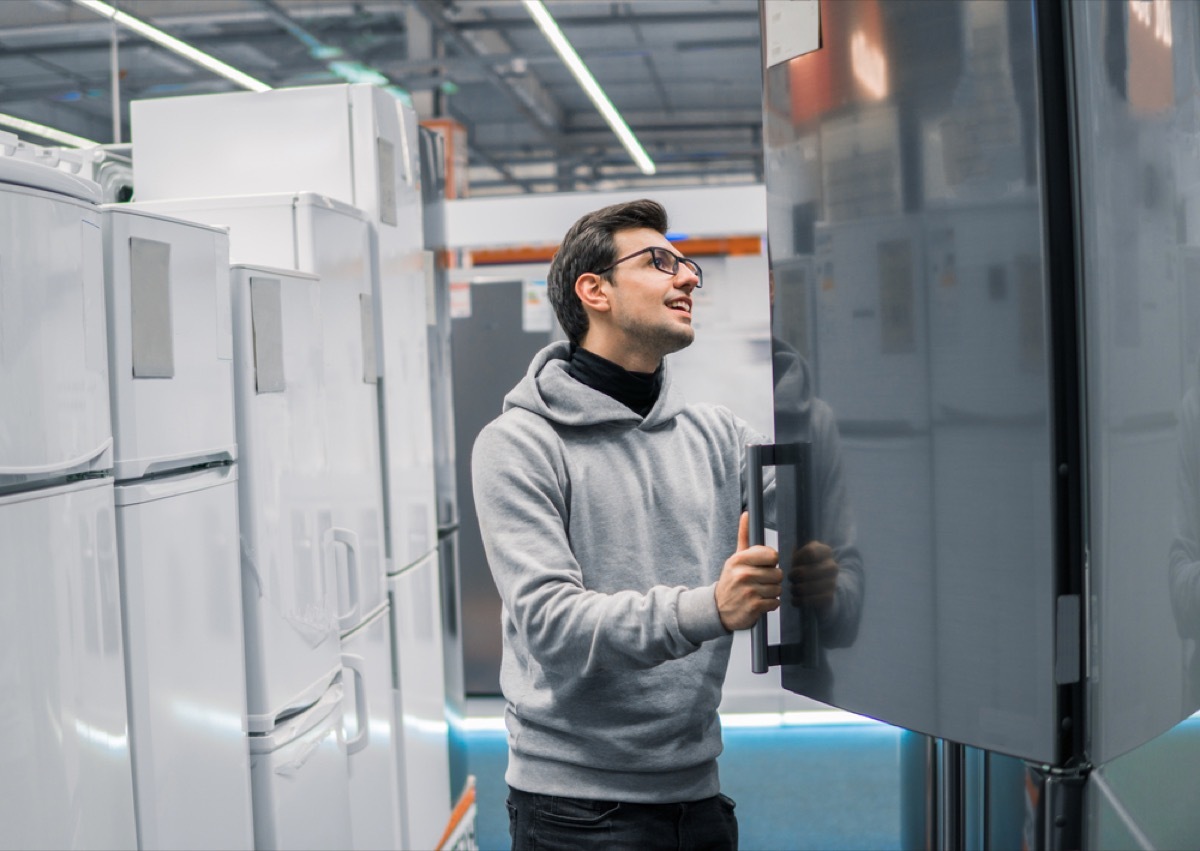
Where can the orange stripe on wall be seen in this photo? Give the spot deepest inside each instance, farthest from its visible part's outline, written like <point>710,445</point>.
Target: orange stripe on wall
<point>722,245</point>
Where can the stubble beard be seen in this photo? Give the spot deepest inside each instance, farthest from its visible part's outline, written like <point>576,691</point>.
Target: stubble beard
<point>658,340</point>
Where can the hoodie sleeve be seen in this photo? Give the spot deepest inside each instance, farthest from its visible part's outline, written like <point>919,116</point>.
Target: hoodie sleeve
<point>521,490</point>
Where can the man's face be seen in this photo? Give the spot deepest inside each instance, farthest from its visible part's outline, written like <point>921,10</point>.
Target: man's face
<point>651,309</point>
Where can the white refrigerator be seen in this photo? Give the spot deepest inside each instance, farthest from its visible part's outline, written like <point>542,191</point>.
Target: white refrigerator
<point>290,572</point>
<point>171,378</point>
<point>65,770</point>
<point>359,145</point>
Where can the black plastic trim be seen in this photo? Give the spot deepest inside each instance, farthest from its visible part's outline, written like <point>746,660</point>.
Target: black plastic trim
<point>1065,297</point>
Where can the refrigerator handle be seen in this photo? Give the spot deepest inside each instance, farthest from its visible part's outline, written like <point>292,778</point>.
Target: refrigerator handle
<point>60,466</point>
<point>349,539</point>
<point>755,458</point>
<point>796,455</point>
<point>357,666</point>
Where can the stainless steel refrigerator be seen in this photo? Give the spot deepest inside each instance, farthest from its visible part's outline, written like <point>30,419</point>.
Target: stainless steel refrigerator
<point>982,219</point>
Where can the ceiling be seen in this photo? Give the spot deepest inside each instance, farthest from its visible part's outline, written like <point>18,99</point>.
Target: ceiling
<point>685,74</point>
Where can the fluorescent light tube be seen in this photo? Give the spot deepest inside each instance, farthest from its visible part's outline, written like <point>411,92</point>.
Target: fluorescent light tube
<point>570,58</point>
<point>173,44</point>
<point>41,130</point>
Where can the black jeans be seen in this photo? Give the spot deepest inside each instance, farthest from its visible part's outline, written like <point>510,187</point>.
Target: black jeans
<point>551,823</point>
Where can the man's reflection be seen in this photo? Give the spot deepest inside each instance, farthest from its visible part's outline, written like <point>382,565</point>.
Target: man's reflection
<point>1185,549</point>
<point>825,582</point>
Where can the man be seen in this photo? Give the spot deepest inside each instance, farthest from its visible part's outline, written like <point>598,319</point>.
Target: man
<point>612,516</point>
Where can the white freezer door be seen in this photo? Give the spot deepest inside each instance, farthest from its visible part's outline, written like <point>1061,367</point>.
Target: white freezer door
<point>301,790</point>
<point>370,734</point>
<point>65,776</point>
<point>185,659</point>
<point>170,342</point>
<point>317,235</point>
<point>290,592</point>
<point>54,415</point>
<point>421,702</point>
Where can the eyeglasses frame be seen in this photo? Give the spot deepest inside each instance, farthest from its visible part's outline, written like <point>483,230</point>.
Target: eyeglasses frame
<point>650,249</point>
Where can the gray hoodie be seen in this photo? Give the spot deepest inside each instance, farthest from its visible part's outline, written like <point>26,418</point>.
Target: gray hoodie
<point>605,533</point>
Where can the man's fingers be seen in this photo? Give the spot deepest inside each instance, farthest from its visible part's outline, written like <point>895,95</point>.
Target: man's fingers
<point>744,531</point>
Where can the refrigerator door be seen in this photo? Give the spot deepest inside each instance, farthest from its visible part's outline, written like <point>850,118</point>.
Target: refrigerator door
<point>53,362</point>
<point>185,659</point>
<point>420,703</point>
<point>1139,219</point>
<point>298,771</point>
<point>929,424</point>
<point>375,800</point>
<point>356,144</point>
<point>65,775</point>
<point>170,342</point>
<point>289,590</point>
<point>317,235</point>
<point>403,297</point>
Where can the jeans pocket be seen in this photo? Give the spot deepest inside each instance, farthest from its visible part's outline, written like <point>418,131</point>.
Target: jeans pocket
<point>577,813</point>
<point>727,802</point>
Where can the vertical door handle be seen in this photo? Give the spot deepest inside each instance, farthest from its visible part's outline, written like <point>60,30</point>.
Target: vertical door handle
<point>357,665</point>
<point>798,457</point>
<point>349,539</point>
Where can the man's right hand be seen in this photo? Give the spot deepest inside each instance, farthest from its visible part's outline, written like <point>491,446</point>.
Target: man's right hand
<point>750,584</point>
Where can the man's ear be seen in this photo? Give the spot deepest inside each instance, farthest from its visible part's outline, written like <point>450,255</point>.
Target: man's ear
<point>592,292</point>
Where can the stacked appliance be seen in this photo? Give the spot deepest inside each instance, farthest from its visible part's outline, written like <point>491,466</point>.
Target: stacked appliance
<point>310,233</point>
<point>65,771</point>
<point>170,349</point>
<point>374,167</point>
<point>299,768</point>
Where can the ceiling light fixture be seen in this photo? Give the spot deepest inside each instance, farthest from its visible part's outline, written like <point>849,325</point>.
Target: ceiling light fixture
<point>549,27</point>
<point>44,132</point>
<point>175,45</point>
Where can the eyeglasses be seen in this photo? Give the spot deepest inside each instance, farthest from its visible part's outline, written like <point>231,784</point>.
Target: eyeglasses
<point>664,261</point>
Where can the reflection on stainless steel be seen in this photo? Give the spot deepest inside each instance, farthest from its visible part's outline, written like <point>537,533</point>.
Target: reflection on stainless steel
<point>1184,574</point>
<point>906,241</point>
<point>1140,185</point>
<point>824,570</point>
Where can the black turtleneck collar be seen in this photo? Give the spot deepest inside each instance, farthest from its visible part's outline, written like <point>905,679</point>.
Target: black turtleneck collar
<point>635,390</point>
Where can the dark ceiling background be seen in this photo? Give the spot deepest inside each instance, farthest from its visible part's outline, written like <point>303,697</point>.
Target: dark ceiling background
<point>685,74</point>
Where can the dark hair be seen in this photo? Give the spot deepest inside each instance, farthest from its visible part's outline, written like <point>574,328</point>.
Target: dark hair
<point>589,246</point>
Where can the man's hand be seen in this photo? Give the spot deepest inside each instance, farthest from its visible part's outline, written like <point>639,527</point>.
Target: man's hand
<point>750,584</point>
<point>813,576</point>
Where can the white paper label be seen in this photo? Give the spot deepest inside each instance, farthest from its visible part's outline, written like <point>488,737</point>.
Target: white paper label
<point>535,308</point>
<point>792,28</point>
<point>460,300</point>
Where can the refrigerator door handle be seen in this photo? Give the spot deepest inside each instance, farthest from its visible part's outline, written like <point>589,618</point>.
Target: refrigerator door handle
<point>59,466</point>
<point>358,666</point>
<point>758,456</point>
<point>349,539</point>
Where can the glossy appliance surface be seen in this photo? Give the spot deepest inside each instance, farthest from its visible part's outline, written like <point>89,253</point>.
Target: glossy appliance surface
<point>298,771</point>
<point>170,342</point>
<point>65,775</point>
<point>289,589</point>
<point>420,703</point>
<point>356,144</point>
<point>369,731</point>
<point>910,307</point>
<point>182,612</point>
<point>53,358</point>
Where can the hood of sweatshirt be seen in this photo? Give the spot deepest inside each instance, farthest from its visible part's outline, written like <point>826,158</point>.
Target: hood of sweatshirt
<point>550,392</point>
